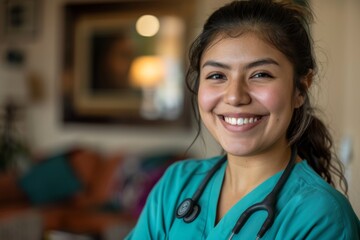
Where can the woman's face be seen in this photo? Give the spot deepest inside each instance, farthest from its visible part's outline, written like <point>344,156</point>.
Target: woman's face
<point>246,97</point>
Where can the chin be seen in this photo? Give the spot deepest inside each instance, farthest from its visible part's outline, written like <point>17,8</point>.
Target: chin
<point>240,150</point>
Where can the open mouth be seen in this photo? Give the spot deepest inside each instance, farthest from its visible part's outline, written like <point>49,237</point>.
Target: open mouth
<point>240,121</point>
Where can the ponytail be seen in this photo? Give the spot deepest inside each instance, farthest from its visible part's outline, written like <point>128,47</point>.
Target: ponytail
<point>315,144</point>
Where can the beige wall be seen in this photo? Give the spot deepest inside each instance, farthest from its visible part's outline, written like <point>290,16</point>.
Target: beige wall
<point>352,98</point>
<point>336,34</point>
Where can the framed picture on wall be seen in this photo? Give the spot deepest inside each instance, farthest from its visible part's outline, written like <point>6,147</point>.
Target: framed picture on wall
<point>20,18</point>
<point>116,71</point>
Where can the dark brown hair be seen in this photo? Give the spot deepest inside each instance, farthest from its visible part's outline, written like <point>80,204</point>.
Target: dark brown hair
<point>285,25</point>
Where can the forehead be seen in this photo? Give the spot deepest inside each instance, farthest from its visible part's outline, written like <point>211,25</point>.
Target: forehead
<point>242,47</point>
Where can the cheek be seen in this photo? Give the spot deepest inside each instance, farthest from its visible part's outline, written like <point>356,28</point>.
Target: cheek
<point>207,98</point>
<point>274,99</point>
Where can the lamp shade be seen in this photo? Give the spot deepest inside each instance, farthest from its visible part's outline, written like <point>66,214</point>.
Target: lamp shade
<point>147,71</point>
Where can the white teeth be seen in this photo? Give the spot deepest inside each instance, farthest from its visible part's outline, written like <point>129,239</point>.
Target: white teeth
<point>240,121</point>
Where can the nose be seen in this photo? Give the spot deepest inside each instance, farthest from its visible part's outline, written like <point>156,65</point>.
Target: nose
<point>237,93</point>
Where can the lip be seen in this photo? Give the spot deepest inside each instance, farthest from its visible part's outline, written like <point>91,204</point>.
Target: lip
<point>244,127</point>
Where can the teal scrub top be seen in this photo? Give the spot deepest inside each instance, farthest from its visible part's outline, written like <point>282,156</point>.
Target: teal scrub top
<point>307,207</point>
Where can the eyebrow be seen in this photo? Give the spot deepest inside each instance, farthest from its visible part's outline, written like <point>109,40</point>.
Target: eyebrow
<point>257,63</point>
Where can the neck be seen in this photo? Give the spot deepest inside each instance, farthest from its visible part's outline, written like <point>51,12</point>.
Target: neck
<point>243,174</point>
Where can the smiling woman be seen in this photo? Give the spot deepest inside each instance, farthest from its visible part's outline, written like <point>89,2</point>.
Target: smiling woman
<point>250,72</point>
<point>250,80</point>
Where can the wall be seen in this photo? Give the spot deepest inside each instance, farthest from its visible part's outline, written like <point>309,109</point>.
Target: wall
<point>352,99</point>
<point>336,34</point>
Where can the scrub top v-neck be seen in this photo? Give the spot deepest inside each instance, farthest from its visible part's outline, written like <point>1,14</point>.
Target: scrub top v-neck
<point>295,218</point>
<point>225,225</point>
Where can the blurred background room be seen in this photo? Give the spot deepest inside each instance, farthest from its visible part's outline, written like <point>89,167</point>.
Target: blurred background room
<point>94,107</point>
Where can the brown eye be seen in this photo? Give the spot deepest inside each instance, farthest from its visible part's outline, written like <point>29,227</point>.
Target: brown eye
<point>216,76</point>
<point>262,75</point>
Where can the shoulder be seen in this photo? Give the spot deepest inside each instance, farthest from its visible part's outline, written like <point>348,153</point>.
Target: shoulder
<point>312,188</point>
<point>318,207</point>
<point>178,181</point>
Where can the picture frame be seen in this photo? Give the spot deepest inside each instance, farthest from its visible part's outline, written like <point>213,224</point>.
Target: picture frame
<point>20,19</point>
<point>93,93</point>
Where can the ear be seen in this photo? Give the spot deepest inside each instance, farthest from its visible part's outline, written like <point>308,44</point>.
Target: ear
<point>306,82</point>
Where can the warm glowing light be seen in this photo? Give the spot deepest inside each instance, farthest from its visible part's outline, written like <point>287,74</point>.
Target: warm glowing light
<point>147,71</point>
<point>147,25</point>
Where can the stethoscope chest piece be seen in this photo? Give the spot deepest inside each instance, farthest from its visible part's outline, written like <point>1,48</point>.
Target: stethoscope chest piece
<point>188,210</point>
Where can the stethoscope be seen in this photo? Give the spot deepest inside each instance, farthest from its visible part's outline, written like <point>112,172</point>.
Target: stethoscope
<point>189,209</point>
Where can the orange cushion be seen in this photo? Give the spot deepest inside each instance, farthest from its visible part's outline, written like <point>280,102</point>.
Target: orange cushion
<point>104,178</point>
<point>84,163</point>
<point>98,173</point>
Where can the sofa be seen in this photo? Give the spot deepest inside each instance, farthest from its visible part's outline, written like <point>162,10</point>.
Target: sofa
<point>83,191</point>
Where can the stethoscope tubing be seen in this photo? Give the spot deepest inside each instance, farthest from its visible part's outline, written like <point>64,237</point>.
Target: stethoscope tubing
<point>207,178</point>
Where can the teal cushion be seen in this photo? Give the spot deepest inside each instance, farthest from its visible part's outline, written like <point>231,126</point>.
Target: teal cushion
<point>50,181</point>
